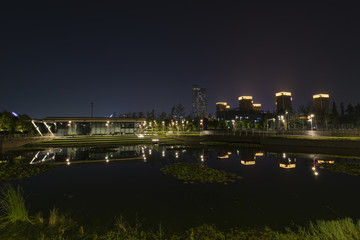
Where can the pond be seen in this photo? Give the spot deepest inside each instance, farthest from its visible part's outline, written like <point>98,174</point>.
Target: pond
<point>95,185</point>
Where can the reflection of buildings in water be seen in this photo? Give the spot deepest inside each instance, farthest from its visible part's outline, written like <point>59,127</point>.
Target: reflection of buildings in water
<point>68,155</point>
<point>326,161</point>
<point>45,156</point>
<point>286,161</point>
<point>247,162</point>
<point>248,157</point>
<point>284,165</point>
<point>224,155</point>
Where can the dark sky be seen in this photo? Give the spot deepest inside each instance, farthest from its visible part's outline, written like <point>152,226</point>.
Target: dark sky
<point>134,56</point>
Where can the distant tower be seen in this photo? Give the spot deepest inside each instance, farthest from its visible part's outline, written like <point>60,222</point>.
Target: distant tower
<point>283,102</point>
<point>198,101</point>
<point>92,109</point>
<point>222,110</point>
<point>321,104</point>
<point>257,107</point>
<point>246,104</point>
<point>321,109</point>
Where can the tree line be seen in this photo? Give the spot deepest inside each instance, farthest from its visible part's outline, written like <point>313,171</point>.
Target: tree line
<point>10,123</point>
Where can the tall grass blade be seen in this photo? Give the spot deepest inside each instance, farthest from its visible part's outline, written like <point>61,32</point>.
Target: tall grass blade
<point>12,205</point>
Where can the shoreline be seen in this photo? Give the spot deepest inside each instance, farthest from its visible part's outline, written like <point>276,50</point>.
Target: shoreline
<point>326,145</point>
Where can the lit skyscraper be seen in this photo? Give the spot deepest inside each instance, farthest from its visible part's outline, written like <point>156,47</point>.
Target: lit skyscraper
<point>321,109</point>
<point>245,104</point>
<point>283,102</point>
<point>198,101</point>
<point>321,104</point>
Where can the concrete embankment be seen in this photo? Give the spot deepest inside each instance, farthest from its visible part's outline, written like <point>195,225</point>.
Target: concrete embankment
<point>308,145</point>
<point>220,138</point>
<point>14,143</point>
<point>334,146</point>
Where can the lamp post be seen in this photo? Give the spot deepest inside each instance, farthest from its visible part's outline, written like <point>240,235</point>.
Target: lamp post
<point>70,132</point>
<point>311,120</point>
<point>107,128</point>
<point>267,123</point>
<point>202,125</point>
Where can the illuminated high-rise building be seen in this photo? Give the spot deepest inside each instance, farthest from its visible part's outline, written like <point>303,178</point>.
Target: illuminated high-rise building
<point>198,101</point>
<point>246,104</point>
<point>321,110</point>
<point>257,107</point>
<point>321,103</point>
<point>222,110</point>
<point>283,102</point>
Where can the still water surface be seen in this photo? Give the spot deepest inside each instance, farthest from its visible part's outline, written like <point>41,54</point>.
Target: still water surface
<point>277,189</point>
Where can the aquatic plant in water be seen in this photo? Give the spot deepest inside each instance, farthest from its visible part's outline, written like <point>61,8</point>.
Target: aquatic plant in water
<point>10,171</point>
<point>348,168</point>
<point>194,173</point>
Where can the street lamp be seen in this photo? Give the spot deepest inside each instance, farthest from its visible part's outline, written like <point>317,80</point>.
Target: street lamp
<point>107,128</point>
<point>267,123</point>
<point>311,120</point>
<point>70,132</point>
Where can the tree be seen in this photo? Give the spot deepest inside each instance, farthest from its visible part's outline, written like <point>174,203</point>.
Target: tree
<point>334,116</point>
<point>342,115</point>
<point>305,109</point>
<point>350,114</point>
<point>7,122</point>
<point>23,124</point>
<point>179,111</point>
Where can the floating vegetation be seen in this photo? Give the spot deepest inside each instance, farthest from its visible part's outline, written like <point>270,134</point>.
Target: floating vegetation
<point>10,171</point>
<point>348,168</point>
<point>194,173</point>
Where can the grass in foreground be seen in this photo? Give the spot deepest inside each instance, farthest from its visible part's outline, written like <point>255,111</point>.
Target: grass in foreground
<point>195,173</point>
<point>13,205</point>
<point>16,224</point>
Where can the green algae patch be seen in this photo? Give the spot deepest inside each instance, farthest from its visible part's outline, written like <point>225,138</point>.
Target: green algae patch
<point>347,168</point>
<point>195,173</point>
<point>18,171</point>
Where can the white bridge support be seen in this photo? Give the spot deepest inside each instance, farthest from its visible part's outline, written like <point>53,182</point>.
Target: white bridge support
<point>48,128</point>
<point>37,128</point>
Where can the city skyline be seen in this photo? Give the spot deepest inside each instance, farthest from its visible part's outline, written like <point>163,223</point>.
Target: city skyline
<point>57,59</point>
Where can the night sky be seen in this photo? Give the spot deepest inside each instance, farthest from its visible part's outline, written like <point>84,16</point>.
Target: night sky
<point>133,56</point>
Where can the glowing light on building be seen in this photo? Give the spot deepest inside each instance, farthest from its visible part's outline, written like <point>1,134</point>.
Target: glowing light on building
<point>321,95</point>
<point>245,98</point>
<point>221,103</point>
<point>283,94</point>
